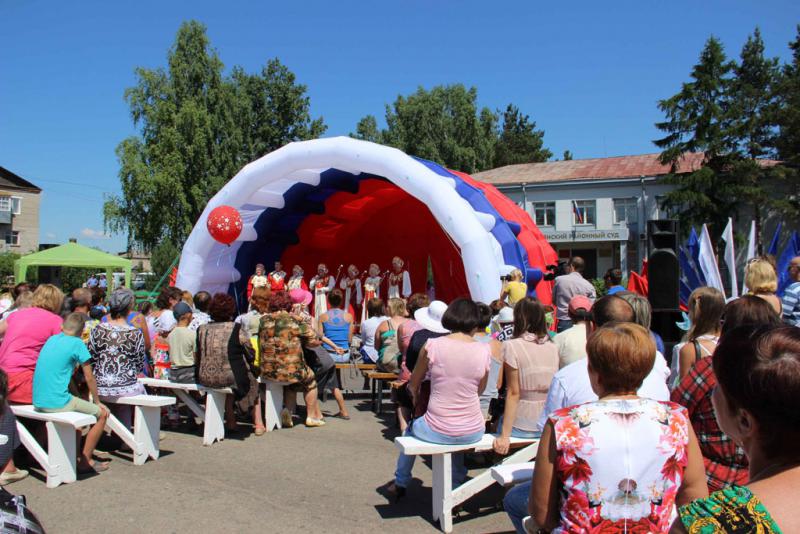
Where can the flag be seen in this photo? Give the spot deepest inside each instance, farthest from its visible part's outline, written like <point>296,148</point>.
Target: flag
<point>730,257</point>
<point>751,250</point>
<point>792,249</point>
<point>690,279</point>
<point>693,246</point>
<point>637,284</point>
<point>707,261</point>
<point>773,247</point>
<point>577,212</point>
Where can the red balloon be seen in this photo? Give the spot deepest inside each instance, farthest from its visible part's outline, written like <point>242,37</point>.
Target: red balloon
<point>224,224</point>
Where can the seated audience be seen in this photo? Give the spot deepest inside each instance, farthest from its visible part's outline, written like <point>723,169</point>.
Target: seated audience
<point>643,315</point>
<point>376,316</point>
<point>224,358</point>
<point>404,332</point>
<point>118,355</point>
<point>495,381</point>
<point>790,302</point>
<point>8,430</point>
<point>159,324</point>
<point>758,376</point>
<point>26,331</point>
<point>530,360</point>
<point>386,338</point>
<point>571,343</point>
<point>761,280</point>
<point>182,346</point>
<point>571,384</point>
<point>281,338</point>
<point>337,325</point>
<point>725,462</point>
<point>621,462</point>
<point>200,313</point>
<point>459,370</point>
<point>60,355</point>
<point>706,305</point>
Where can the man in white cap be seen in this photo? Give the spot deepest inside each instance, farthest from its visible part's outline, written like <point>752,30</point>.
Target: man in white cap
<point>430,318</point>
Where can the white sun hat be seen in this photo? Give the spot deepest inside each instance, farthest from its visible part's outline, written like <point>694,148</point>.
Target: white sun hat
<point>431,317</point>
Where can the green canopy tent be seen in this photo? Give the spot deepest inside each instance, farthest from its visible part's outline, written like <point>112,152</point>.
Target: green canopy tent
<point>74,255</point>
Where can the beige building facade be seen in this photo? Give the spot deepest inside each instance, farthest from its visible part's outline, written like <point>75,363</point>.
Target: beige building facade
<point>19,213</point>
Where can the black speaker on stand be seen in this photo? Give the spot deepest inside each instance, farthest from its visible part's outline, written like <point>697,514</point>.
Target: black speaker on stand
<point>663,280</point>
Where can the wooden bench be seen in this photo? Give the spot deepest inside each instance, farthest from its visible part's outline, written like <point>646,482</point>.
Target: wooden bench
<point>273,403</point>
<point>213,416</point>
<point>444,496</point>
<point>144,441</point>
<point>378,380</point>
<point>512,474</point>
<point>60,460</point>
<point>359,366</point>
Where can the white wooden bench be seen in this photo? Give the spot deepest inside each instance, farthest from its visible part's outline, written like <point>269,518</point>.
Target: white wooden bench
<point>144,441</point>
<point>214,414</point>
<point>444,496</point>
<point>60,460</point>
<point>512,474</point>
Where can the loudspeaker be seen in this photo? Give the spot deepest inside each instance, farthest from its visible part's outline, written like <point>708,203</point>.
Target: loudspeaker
<point>662,233</point>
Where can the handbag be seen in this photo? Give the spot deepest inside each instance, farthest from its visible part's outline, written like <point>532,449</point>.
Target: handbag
<point>15,516</point>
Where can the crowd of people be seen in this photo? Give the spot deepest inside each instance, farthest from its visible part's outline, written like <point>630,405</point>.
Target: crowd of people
<point>625,438</point>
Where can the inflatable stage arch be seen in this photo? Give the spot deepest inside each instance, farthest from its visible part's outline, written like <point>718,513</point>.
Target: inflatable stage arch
<point>340,201</point>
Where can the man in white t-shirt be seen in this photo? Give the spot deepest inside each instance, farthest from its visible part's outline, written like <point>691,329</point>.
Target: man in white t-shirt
<point>571,342</point>
<point>375,314</point>
<point>571,385</point>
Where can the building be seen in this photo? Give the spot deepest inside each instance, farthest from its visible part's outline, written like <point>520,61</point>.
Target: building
<point>19,213</point>
<point>593,208</point>
<point>141,260</point>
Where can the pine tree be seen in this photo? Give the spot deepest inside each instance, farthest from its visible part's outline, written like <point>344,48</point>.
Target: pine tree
<point>788,115</point>
<point>519,141</point>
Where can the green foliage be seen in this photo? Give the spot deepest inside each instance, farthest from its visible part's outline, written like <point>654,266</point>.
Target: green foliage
<point>197,129</point>
<point>162,258</point>
<point>520,141</point>
<point>599,287</point>
<point>567,155</point>
<point>75,277</point>
<point>788,113</point>
<point>728,112</point>
<point>7,260</point>
<point>445,125</point>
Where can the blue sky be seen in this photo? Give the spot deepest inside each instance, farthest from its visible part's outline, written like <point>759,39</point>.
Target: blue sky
<point>589,73</point>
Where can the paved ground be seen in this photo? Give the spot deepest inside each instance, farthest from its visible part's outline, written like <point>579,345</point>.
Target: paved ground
<point>291,480</point>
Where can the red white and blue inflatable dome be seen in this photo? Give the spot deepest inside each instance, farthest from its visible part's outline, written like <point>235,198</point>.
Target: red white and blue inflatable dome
<point>340,201</point>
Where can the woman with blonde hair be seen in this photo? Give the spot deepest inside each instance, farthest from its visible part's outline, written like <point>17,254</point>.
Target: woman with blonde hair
<point>26,331</point>
<point>515,289</point>
<point>386,338</point>
<point>761,280</point>
<point>706,305</point>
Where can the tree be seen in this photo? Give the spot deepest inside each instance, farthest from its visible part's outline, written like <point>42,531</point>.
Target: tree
<point>162,258</point>
<point>567,155</point>
<point>788,114</point>
<point>445,125</point>
<point>520,141</point>
<point>695,122</point>
<point>197,129</point>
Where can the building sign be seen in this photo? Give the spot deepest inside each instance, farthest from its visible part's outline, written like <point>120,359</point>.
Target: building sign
<point>618,234</point>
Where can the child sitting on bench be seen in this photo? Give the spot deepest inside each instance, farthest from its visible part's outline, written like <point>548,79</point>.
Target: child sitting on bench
<point>57,361</point>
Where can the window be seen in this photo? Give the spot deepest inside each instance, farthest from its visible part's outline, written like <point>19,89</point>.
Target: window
<point>12,204</point>
<point>544,213</point>
<point>584,212</point>
<point>12,238</point>
<point>626,210</point>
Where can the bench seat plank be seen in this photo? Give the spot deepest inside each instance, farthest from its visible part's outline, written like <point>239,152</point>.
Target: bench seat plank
<point>77,420</point>
<point>512,474</point>
<point>413,446</point>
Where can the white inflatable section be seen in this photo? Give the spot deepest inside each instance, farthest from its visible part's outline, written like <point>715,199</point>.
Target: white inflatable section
<point>208,265</point>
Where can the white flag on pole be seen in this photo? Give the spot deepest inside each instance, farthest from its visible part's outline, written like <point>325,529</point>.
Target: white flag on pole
<point>730,257</point>
<point>708,262</point>
<point>751,251</point>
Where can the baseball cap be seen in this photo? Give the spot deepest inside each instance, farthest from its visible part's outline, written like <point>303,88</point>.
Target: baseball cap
<point>579,302</point>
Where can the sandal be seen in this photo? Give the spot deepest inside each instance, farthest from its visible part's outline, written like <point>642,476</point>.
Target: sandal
<point>340,416</point>
<point>314,422</point>
<point>97,467</point>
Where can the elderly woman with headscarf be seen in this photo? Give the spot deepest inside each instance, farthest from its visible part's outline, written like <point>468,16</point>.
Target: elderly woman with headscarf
<point>118,354</point>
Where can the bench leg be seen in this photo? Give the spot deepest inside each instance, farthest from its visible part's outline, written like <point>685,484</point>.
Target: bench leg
<point>443,490</point>
<point>273,404</point>
<point>61,454</point>
<point>125,435</point>
<point>54,477</point>
<point>380,397</point>
<point>374,396</point>
<point>187,399</point>
<point>146,430</point>
<point>214,418</point>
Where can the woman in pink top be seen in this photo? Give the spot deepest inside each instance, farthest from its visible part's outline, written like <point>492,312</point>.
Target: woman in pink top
<point>459,369</point>
<point>26,331</point>
<point>530,360</point>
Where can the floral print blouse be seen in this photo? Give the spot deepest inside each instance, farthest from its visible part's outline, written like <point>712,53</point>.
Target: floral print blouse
<point>620,464</point>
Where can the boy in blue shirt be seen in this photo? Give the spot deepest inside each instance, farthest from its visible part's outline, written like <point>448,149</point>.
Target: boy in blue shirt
<point>57,361</point>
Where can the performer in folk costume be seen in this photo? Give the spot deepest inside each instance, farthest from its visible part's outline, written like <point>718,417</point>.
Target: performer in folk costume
<point>296,281</point>
<point>321,285</point>
<point>372,288</point>
<point>399,280</point>
<point>277,278</point>
<point>257,280</point>
<point>351,285</point>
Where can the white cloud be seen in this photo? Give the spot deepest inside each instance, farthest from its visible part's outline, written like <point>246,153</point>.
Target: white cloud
<point>50,235</point>
<point>94,234</point>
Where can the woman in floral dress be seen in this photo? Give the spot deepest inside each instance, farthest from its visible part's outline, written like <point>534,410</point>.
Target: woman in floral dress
<point>621,463</point>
